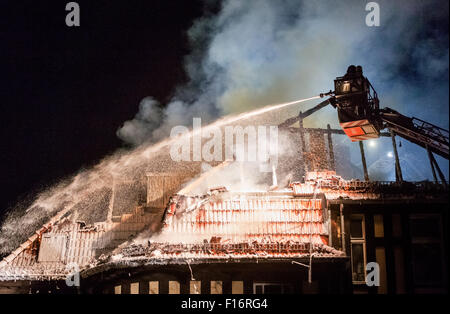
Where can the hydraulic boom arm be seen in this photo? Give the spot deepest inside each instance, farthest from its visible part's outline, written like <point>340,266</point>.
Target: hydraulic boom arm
<point>417,131</point>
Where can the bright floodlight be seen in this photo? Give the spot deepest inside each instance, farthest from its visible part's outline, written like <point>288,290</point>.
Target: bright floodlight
<point>390,155</point>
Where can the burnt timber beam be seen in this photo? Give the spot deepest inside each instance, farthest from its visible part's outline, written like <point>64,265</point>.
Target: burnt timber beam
<point>305,114</point>
<point>436,166</point>
<point>302,138</point>
<point>398,169</point>
<point>330,148</point>
<point>363,160</point>
<point>430,157</point>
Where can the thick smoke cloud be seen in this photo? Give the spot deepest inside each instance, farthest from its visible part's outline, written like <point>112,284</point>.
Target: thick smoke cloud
<point>255,53</point>
<point>259,52</point>
<point>137,130</point>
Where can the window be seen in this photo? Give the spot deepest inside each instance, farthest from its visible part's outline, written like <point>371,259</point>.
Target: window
<point>216,287</point>
<point>118,290</point>
<point>425,226</point>
<point>195,287</point>
<point>356,227</point>
<point>426,263</point>
<point>174,287</point>
<point>134,288</point>
<point>427,252</point>
<point>270,288</point>
<point>396,225</point>
<point>358,248</point>
<point>237,287</point>
<point>153,287</point>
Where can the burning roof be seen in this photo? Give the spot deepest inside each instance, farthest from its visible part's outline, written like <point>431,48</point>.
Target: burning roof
<point>225,226</point>
<point>247,216</point>
<point>218,226</point>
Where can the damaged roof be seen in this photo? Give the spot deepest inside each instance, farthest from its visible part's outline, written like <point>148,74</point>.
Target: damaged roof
<point>220,226</point>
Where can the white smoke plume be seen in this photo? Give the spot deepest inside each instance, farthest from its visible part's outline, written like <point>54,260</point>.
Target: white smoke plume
<point>255,53</point>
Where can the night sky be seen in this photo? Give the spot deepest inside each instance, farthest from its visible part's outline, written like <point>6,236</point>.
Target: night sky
<point>65,91</point>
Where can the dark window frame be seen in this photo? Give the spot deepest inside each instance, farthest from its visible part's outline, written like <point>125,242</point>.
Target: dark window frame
<point>359,240</point>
